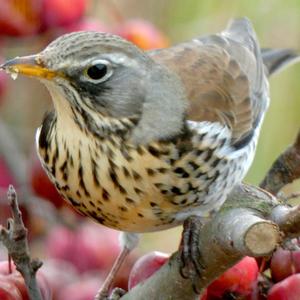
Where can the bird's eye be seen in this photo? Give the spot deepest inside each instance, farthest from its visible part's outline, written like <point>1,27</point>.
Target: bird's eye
<point>98,71</point>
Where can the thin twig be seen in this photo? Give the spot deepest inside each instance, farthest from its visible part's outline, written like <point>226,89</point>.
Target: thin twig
<point>14,237</point>
<point>288,197</point>
<point>284,170</point>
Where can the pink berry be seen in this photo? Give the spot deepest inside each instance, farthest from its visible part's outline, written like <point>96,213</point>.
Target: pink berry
<point>146,266</point>
<point>284,263</point>
<point>239,279</point>
<point>287,289</point>
<point>143,34</point>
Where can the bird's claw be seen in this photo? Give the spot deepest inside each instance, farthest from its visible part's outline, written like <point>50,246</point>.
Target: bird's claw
<point>116,294</point>
<point>191,259</point>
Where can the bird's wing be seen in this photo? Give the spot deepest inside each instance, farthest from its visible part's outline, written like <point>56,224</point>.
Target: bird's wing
<point>223,76</point>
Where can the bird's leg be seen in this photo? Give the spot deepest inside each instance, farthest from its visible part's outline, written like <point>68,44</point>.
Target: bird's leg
<point>191,259</point>
<point>128,242</point>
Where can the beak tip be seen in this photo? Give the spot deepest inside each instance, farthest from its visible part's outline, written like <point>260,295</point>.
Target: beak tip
<point>27,65</point>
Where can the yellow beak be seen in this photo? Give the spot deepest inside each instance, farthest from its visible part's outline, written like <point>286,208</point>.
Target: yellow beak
<point>28,66</point>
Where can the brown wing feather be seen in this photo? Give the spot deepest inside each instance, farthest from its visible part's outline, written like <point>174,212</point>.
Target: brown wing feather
<point>223,78</point>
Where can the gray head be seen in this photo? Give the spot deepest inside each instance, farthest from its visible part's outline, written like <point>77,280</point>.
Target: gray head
<point>108,75</point>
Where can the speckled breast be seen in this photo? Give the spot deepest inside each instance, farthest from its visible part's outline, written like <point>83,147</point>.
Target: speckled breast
<point>143,188</point>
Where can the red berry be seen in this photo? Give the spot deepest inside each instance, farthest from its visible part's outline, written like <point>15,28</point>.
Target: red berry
<point>204,295</point>
<point>89,247</point>
<point>57,278</point>
<point>284,263</point>
<point>85,288</point>
<point>8,290</point>
<point>58,13</point>
<point>146,266</point>
<point>239,279</point>
<point>99,244</point>
<point>287,289</point>
<point>143,34</point>
<point>19,18</point>
<point>16,281</point>
<point>60,242</point>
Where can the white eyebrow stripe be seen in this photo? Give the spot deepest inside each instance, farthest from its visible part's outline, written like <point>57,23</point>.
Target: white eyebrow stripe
<point>116,58</point>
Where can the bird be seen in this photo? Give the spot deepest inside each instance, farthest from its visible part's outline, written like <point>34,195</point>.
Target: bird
<point>142,141</point>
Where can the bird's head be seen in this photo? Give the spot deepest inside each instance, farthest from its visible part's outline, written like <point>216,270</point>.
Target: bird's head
<point>103,74</point>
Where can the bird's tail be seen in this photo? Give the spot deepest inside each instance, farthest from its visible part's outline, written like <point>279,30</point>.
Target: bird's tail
<point>276,60</point>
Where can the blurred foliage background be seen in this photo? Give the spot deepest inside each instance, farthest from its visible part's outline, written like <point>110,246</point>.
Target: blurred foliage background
<point>277,24</point>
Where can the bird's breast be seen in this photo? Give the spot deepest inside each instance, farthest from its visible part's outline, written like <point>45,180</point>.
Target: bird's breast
<point>147,187</point>
<point>110,180</point>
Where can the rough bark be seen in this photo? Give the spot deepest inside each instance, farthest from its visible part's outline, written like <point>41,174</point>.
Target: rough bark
<point>15,240</point>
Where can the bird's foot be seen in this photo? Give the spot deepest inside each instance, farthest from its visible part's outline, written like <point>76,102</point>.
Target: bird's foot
<point>116,294</point>
<point>191,259</point>
<point>128,242</point>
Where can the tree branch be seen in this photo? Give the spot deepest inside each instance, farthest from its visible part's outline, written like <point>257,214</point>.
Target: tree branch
<point>14,237</point>
<point>251,222</point>
<point>284,170</point>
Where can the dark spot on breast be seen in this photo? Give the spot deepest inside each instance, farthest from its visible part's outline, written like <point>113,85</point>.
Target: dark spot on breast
<point>122,189</point>
<point>150,172</point>
<point>125,153</point>
<point>126,172</point>
<point>110,153</point>
<point>153,204</point>
<point>63,166</point>
<point>184,201</point>
<point>215,162</point>
<point>140,215</point>
<point>81,181</point>
<point>114,177</point>
<point>198,152</point>
<point>73,202</point>
<point>123,208</point>
<point>180,171</point>
<point>138,191</point>
<point>92,203</point>
<point>129,200</point>
<point>99,202</point>
<point>46,158</point>
<point>158,185</point>
<point>136,175</point>
<point>199,174</point>
<point>193,165</point>
<point>162,170</point>
<point>94,172</point>
<point>153,151</point>
<point>202,136</point>
<point>140,150</point>
<point>105,194</point>
<point>47,127</point>
<point>209,154</point>
<point>65,188</point>
<point>99,219</point>
<point>176,190</point>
